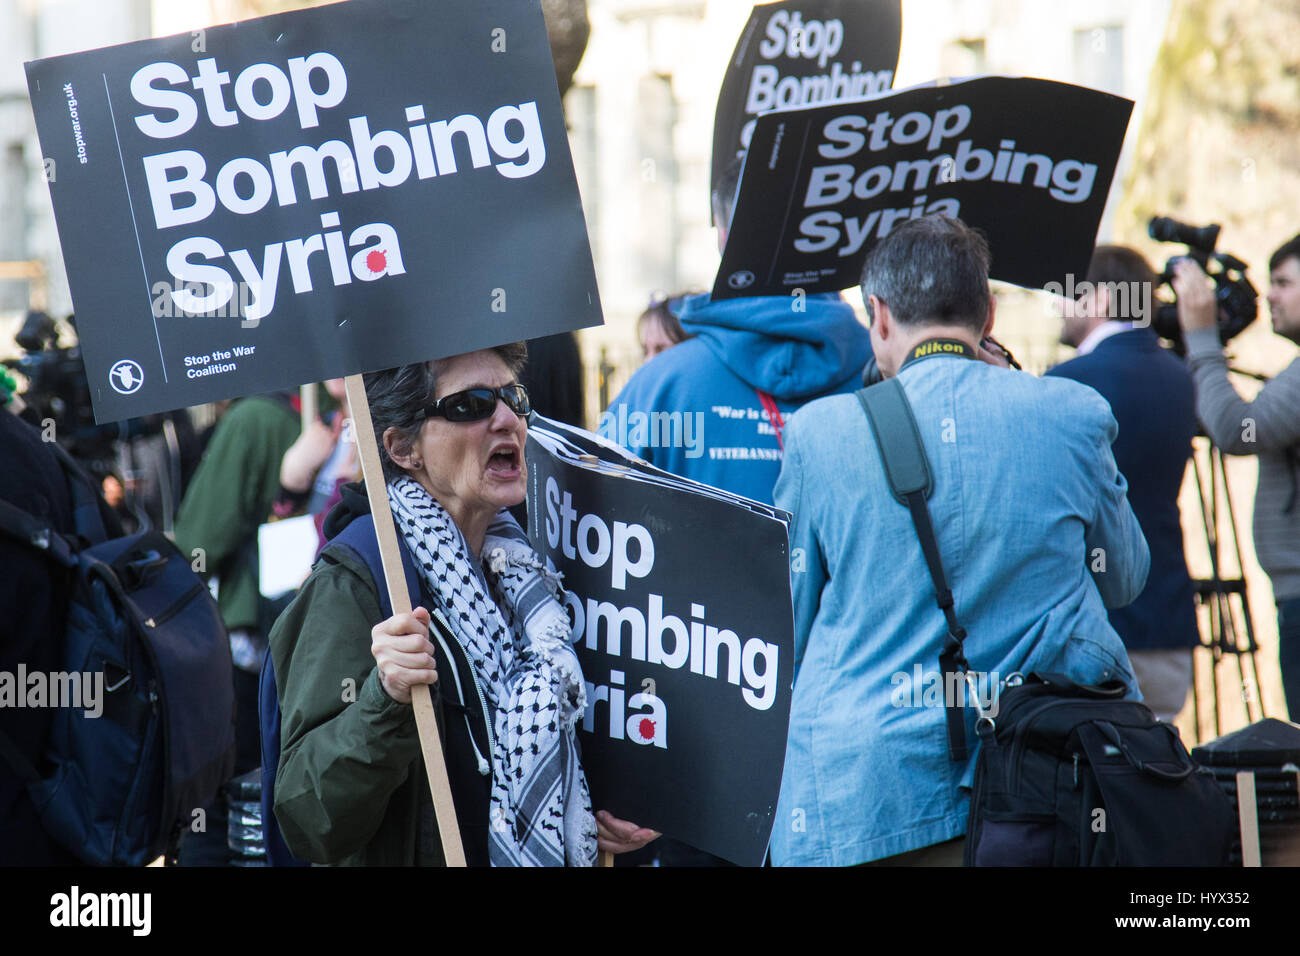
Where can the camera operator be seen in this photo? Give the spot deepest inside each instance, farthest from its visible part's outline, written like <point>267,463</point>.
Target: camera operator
<point>1268,426</point>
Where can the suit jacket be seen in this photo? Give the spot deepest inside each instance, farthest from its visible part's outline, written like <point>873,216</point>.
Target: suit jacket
<point>1025,493</point>
<point>1153,399</point>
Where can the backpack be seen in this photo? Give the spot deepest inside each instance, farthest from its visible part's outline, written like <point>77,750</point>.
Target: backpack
<point>124,782</point>
<point>359,538</point>
<point>1067,774</point>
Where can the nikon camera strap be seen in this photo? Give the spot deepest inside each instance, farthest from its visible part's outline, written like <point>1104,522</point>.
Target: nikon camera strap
<point>908,470</point>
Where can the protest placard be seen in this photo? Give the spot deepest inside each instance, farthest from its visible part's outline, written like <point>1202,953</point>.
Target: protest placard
<point>801,53</point>
<point>311,195</point>
<point>1028,162</point>
<point>680,600</point>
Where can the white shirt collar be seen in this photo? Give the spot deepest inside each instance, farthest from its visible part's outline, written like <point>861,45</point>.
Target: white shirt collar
<point>1100,334</point>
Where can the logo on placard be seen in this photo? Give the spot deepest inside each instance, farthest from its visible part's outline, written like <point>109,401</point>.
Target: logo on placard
<point>741,280</point>
<point>126,377</point>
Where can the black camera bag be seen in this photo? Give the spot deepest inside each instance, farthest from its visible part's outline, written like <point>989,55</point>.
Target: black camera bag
<point>1074,775</point>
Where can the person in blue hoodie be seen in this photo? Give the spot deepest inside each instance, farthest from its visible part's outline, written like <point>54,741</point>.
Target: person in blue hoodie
<point>712,408</point>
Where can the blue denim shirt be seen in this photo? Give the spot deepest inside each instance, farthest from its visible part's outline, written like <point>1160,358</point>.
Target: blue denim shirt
<point>1037,538</point>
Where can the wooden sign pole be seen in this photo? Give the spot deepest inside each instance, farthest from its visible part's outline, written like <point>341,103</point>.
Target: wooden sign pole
<point>1248,819</point>
<point>426,722</point>
<point>307,403</point>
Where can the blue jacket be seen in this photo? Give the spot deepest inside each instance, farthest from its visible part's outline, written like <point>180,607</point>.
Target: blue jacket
<point>1028,509</point>
<point>694,410</point>
<point>1153,399</point>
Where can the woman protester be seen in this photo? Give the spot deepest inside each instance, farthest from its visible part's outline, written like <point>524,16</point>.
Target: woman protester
<point>351,786</point>
<point>658,328</point>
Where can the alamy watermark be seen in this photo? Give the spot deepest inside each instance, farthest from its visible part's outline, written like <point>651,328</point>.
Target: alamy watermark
<point>222,299</point>
<point>922,688</point>
<point>1126,301</point>
<point>57,689</point>
<point>75,908</point>
<point>654,429</point>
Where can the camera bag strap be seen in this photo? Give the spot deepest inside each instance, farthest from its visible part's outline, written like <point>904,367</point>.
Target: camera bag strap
<point>908,470</point>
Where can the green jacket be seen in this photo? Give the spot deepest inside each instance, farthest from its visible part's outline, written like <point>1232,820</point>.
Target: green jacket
<point>351,787</point>
<point>231,494</point>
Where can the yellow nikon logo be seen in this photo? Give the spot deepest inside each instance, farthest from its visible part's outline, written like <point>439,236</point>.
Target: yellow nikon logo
<point>930,348</point>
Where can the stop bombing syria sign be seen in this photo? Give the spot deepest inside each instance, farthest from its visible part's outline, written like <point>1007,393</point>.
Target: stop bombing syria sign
<point>1029,162</point>
<point>682,620</point>
<point>311,195</point>
<point>799,53</point>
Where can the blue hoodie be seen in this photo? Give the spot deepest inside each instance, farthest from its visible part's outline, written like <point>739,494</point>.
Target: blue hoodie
<point>694,409</point>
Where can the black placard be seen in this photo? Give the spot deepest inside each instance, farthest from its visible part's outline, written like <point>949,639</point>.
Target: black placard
<point>403,164</point>
<point>1027,161</point>
<point>802,52</point>
<point>700,588</point>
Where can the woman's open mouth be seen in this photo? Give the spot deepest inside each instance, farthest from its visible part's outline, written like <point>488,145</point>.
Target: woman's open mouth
<point>504,464</point>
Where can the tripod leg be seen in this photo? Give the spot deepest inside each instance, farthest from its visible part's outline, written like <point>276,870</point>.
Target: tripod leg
<point>1196,699</point>
<point>1252,647</point>
<point>1225,635</point>
<point>1217,656</point>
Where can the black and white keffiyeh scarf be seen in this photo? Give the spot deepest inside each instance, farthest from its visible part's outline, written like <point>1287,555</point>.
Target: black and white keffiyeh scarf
<point>518,641</point>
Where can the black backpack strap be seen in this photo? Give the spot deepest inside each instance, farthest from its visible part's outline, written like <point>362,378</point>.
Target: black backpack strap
<point>908,472</point>
<point>87,517</point>
<point>37,535</point>
<point>359,537</point>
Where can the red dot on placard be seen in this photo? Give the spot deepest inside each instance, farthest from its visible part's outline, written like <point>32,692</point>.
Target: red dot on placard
<point>647,728</point>
<point>376,261</point>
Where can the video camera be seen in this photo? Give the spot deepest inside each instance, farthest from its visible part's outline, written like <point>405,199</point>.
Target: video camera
<point>57,390</point>
<point>1237,298</point>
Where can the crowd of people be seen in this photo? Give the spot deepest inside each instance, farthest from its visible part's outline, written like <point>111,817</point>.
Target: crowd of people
<point>1055,505</point>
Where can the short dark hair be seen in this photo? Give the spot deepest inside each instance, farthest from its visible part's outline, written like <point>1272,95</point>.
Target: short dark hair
<point>1119,264</point>
<point>1128,267</point>
<point>932,269</point>
<point>398,397</point>
<point>725,191</point>
<point>1289,249</point>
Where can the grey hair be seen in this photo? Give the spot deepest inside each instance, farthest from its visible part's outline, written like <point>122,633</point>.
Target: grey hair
<point>398,397</point>
<point>932,269</point>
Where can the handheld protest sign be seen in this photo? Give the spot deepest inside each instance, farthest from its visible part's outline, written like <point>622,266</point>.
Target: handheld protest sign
<point>800,53</point>
<point>1028,162</point>
<point>311,195</point>
<point>682,620</point>
<point>426,721</point>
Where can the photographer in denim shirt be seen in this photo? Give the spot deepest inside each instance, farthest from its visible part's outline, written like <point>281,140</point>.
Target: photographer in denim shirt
<point>1034,529</point>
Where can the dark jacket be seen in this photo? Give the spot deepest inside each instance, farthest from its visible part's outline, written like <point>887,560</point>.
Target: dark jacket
<point>1153,399</point>
<point>351,788</point>
<point>34,595</point>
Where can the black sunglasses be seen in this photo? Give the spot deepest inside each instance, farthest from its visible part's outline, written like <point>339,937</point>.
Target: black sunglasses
<point>476,404</point>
